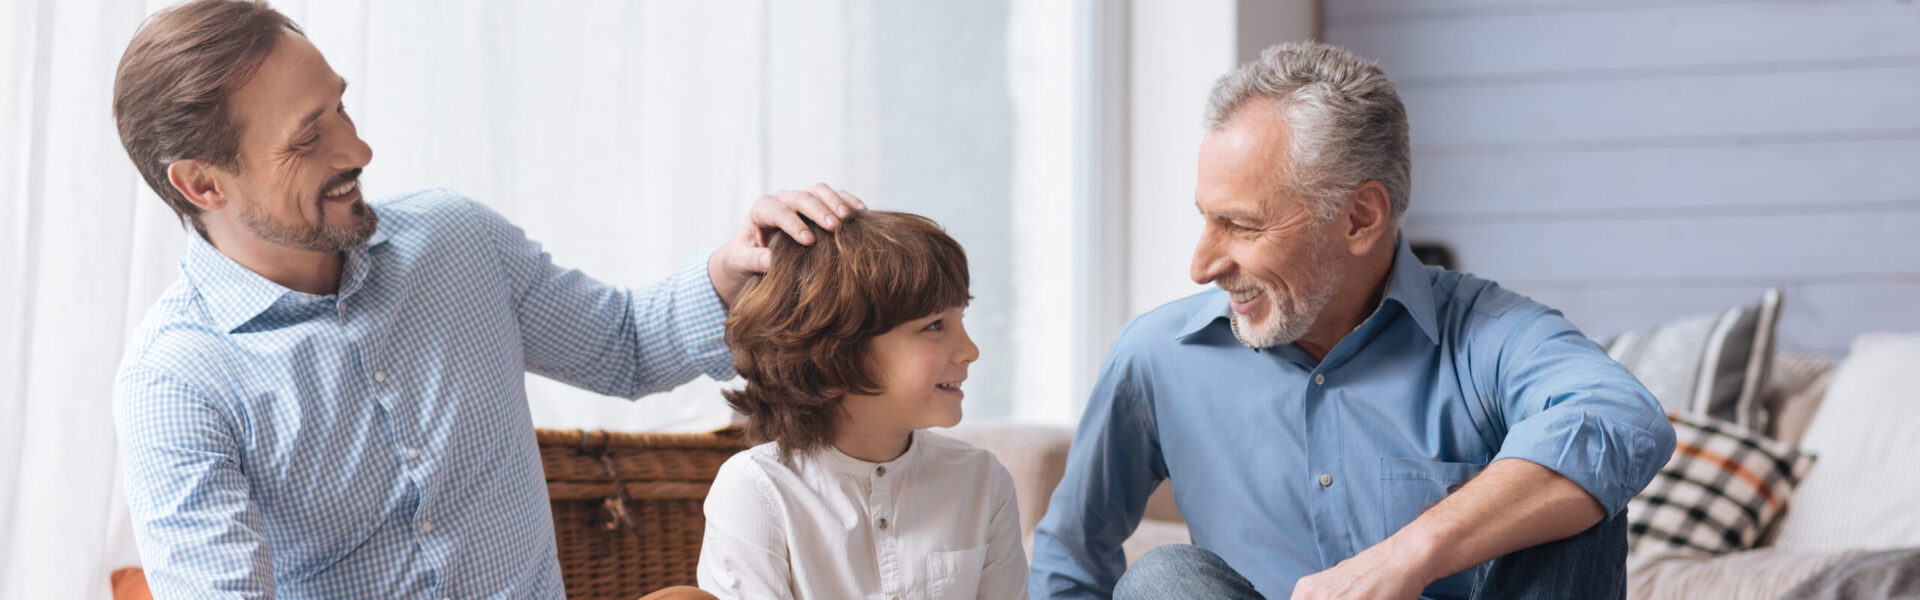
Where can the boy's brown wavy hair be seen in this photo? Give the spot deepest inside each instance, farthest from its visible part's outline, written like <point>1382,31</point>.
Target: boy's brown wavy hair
<point>800,332</point>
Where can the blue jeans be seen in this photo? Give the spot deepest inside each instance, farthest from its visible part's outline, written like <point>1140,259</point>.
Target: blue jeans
<point>1592,564</point>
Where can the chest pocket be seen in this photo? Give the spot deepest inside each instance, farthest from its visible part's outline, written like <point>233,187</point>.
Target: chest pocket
<point>956,574</point>
<point>1410,485</point>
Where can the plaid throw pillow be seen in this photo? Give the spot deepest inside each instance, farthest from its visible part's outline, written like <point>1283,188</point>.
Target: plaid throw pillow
<point>1721,490</point>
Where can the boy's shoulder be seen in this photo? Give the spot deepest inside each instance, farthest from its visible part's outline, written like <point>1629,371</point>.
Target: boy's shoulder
<point>756,459</point>
<point>745,476</point>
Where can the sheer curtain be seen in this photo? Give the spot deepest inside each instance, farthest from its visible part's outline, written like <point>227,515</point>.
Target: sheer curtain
<point>625,136</point>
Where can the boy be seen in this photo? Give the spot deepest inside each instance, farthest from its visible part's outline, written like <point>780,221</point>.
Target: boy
<point>850,348</point>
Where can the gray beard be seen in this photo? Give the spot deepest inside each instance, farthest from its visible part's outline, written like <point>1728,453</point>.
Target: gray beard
<point>1282,327</point>
<point>1286,326</point>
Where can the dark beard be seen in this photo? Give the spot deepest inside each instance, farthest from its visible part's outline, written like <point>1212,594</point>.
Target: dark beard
<point>318,237</point>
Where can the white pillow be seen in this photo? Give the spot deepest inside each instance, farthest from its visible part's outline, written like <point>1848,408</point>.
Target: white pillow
<point>1864,493</point>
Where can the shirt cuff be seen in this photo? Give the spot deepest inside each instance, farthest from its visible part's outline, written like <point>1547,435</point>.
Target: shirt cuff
<point>701,326</point>
<point>1613,461</point>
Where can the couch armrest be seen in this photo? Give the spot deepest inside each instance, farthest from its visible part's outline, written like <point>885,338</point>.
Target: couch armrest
<point>1760,573</point>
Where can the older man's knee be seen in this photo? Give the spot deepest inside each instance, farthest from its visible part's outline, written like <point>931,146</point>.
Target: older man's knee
<point>1163,569</point>
<point>1176,558</point>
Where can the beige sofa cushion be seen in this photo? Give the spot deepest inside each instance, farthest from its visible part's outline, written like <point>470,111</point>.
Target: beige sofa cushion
<point>1154,533</point>
<point>1795,383</point>
<point>1763,573</point>
<point>1862,492</point>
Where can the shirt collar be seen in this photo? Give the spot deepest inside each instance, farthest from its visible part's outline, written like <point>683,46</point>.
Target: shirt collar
<point>841,463</point>
<point>1409,284</point>
<point>236,294</point>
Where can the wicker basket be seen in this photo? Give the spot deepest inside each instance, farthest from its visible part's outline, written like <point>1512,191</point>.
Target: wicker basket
<point>622,541</point>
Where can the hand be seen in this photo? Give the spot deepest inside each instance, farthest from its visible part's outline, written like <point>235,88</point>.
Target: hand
<point>746,254</point>
<point>1377,572</point>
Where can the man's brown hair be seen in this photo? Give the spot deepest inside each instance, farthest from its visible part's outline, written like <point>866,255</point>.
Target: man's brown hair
<point>801,333</point>
<point>171,93</point>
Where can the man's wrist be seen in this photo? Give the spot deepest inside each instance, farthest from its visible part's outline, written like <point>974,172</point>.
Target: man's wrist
<point>717,276</point>
<point>1422,551</point>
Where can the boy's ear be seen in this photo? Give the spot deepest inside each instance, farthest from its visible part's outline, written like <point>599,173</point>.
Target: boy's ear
<point>196,180</point>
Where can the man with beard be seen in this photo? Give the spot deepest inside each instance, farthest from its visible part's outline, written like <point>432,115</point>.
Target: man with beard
<point>1338,420</point>
<point>331,402</point>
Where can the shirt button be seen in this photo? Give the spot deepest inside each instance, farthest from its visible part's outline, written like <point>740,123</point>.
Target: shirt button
<point>426,527</point>
<point>883,524</point>
<point>1326,480</point>
<point>380,376</point>
<point>413,453</point>
<point>1320,379</point>
<point>879,471</point>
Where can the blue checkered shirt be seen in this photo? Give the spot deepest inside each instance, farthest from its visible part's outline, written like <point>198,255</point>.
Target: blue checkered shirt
<point>376,442</point>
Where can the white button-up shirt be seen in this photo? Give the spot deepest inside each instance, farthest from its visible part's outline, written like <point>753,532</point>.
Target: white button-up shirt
<point>938,522</point>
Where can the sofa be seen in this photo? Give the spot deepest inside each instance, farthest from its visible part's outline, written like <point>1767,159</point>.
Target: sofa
<point>1859,418</point>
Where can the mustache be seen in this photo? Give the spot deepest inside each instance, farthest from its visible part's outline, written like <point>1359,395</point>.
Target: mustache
<point>337,181</point>
<point>1240,283</point>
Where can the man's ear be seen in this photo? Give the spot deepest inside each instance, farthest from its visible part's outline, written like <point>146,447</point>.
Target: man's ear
<point>196,180</point>
<point>1369,217</point>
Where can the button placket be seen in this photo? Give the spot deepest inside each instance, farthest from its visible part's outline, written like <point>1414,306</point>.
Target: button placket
<point>885,543</point>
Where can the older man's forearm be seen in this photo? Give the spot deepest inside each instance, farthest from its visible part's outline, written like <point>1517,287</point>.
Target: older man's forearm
<point>1514,504</point>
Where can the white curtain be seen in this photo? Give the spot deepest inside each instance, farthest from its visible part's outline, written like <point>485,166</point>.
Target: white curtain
<point>625,136</point>
<point>85,250</point>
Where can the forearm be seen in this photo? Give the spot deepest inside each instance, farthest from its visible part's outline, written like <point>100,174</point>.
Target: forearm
<point>681,332</point>
<point>1514,504</point>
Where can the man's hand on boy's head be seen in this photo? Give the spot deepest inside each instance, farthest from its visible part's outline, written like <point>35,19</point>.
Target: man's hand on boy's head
<point>746,254</point>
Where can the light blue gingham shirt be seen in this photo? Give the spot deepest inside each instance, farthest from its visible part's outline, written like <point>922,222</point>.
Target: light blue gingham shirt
<point>377,442</point>
<point>1284,465</point>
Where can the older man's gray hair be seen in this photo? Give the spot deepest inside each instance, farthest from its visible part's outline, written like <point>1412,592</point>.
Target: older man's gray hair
<point>1347,122</point>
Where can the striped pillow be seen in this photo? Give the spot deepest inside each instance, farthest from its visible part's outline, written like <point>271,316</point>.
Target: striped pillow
<point>1721,490</point>
<point>1711,365</point>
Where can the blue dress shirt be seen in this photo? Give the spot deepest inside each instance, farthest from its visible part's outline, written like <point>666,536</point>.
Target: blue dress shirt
<point>376,442</point>
<point>1284,465</point>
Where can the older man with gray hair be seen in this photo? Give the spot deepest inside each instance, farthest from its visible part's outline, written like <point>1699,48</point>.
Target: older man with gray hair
<point>1338,420</point>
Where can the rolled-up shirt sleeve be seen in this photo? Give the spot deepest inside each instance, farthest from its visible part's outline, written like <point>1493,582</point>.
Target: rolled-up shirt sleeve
<point>1570,408</point>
